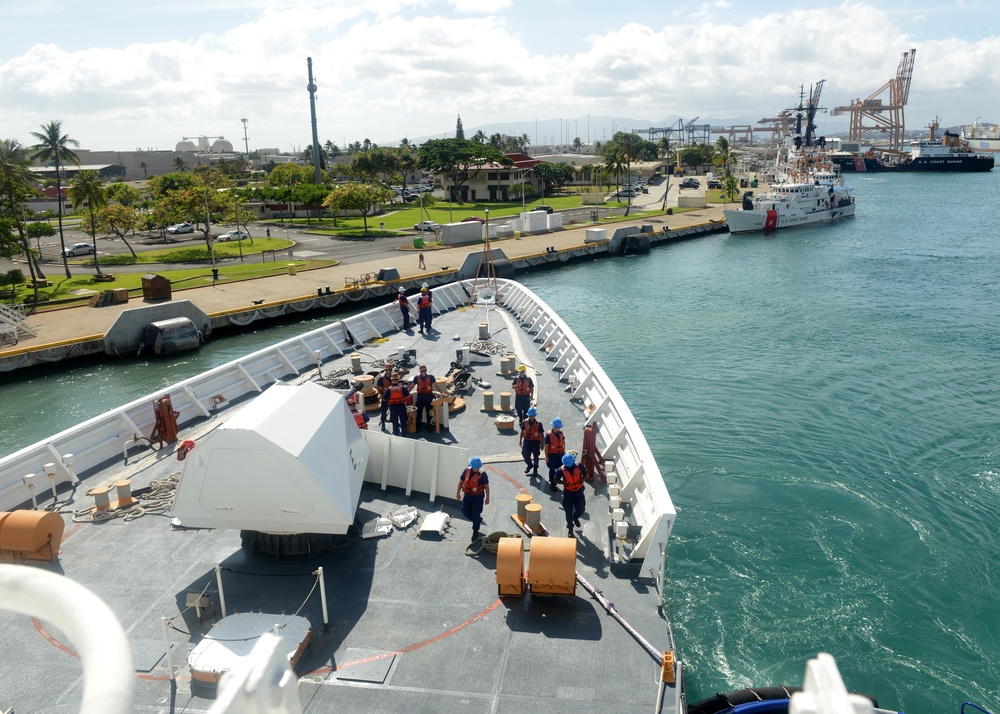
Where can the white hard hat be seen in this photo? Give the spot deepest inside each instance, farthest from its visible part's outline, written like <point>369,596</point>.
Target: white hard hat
<point>402,290</point>
<point>425,285</point>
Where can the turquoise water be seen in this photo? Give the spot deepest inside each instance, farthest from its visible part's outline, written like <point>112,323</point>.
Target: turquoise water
<point>824,405</point>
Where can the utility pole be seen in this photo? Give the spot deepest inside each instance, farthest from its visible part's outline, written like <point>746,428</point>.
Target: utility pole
<point>246,140</point>
<point>312,110</point>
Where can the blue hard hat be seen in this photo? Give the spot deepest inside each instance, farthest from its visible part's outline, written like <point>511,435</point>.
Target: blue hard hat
<point>476,462</point>
<point>532,411</point>
<point>568,459</point>
<point>557,423</point>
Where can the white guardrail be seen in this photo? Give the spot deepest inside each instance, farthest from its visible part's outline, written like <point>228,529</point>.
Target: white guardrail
<point>99,441</point>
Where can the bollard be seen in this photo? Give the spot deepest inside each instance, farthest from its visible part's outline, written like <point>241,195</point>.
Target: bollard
<point>533,516</point>
<point>505,401</point>
<point>101,500</point>
<point>291,268</point>
<point>356,363</point>
<point>523,499</point>
<point>488,400</point>
<point>484,331</point>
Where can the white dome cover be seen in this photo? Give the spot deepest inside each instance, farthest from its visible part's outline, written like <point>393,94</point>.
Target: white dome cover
<point>222,146</point>
<point>185,145</point>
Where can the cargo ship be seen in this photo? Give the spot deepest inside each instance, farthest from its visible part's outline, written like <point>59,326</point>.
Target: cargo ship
<point>982,137</point>
<point>947,154</point>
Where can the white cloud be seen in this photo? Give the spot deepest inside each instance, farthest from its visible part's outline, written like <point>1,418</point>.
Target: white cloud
<point>408,68</point>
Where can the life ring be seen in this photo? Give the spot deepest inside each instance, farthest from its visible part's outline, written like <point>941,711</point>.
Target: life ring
<point>184,448</point>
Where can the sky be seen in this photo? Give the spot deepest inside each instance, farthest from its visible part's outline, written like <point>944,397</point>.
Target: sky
<point>124,75</point>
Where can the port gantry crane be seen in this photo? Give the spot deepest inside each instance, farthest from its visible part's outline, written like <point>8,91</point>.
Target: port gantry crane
<point>885,113</point>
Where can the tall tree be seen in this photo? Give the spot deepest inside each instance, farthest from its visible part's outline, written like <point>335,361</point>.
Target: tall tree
<point>180,164</point>
<point>145,167</point>
<point>15,183</point>
<point>459,130</point>
<point>120,220</point>
<point>363,197</point>
<point>86,187</point>
<point>53,147</point>
<point>459,160</point>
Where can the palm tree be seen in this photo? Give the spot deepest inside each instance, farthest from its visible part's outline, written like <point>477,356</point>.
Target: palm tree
<point>180,164</point>
<point>723,156</point>
<point>86,187</point>
<point>144,166</point>
<point>53,146</point>
<point>577,145</point>
<point>15,183</point>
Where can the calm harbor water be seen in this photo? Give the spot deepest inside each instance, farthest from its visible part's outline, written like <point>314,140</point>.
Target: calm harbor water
<point>824,405</point>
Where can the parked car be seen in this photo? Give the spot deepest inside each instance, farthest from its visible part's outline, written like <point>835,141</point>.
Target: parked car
<point>181,228</point>
<point>233,235</point>
<point>547,209</point>
<point>410,198</point>
<point>714,183</point>
<point>690,183</point>
<point>477,219</point>
<point>625,193</point>
<point>427,226</point>
<point>78,249</point>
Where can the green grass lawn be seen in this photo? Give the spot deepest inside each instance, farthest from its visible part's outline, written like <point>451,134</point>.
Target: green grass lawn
<point>191,253</point>
<point>82,287</point>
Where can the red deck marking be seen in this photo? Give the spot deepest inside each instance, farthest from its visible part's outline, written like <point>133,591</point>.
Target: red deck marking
<point>514,483</point>
<point>411,648</point>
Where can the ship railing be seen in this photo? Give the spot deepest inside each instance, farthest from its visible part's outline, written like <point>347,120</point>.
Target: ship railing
<point>619,439</point>
<point>97,442</point>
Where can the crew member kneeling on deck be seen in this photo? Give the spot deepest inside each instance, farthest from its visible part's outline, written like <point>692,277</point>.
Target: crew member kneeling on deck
<point>474,493</point>
<point>555,447</point>
<point>531,442</point>
<point>396,397</point>
<point>574,501</point>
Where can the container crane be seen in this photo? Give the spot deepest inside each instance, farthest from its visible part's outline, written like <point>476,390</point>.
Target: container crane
<point>885,113</point>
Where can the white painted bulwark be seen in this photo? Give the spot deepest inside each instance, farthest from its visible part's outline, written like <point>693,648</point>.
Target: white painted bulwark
<point>596,235</point>
<point>292,461</point>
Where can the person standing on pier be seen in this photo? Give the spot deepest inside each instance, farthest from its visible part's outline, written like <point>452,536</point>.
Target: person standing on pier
<point>531,442</point>
<point>474,493</point>
<point>555,447</point>
<point>574,500</point>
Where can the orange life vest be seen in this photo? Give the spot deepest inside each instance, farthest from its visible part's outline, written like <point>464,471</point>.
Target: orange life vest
<point>425,383</point>
<point>396,395</point>
<point>359,418</point>
<point>423,301</point>
<point>532,430</point>
<point>403,300</point>
<point>382,384</point>
<point>471,484</point>
<point>572,477</point>
<point>557,443</point>
<point>522,385</point>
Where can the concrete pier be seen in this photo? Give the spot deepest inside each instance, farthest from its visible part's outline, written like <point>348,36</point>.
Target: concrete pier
<point>81,331</point>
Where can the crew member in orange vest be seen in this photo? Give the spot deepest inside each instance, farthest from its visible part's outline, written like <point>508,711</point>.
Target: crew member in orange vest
<point>574,501</point>
<point>524,392</point>
<point>424,384</point>
<point>395,398</point>
<point>555,447</point>
<point>531,442</point>
<point>404,307</point>
<point>424,310</point>
<point>382,384</point>
<point>474,492</point>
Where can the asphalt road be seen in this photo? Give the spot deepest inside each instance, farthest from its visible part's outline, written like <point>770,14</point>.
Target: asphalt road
<point>307,246</point>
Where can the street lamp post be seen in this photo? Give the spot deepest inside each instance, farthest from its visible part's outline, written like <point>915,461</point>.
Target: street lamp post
<point>208,237</point>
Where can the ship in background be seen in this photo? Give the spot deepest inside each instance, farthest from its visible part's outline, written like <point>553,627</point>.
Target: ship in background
<point>982,137</point>
<point>949,153</point>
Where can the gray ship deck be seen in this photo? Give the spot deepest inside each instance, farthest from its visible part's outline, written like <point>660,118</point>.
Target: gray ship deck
<point>415,623</point>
